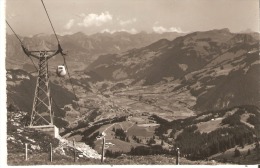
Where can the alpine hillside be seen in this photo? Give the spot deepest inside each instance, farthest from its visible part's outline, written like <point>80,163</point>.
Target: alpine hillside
<point>150,93</point>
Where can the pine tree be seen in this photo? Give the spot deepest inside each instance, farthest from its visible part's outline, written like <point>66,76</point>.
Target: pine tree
<point>242,142</point>
<point>162,143</point>
<point>127,139</point>
<point>237,153</point>
<point>248,152</point>
<point>257,144</point>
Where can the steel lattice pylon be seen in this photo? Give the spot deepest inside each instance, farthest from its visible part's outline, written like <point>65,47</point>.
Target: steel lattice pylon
<point>42,113</point>
<point>41,110</point>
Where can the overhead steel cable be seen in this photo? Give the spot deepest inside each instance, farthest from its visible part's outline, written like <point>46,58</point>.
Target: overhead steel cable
<point>21,43</point>
<point>50,22</point>
<point>60,49</point>
<point>14,32</point>
<point>64,60</point>
<point>59,109</point>
<point>34,64</point>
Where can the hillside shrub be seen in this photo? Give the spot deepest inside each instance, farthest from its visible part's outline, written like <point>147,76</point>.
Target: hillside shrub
<point>232,120</point>
<point>112,154</point>
<point>120,133</point>
<point>237,153</point>
<point>248,152</point>
<point>151,150</point>
<point>198,145</point>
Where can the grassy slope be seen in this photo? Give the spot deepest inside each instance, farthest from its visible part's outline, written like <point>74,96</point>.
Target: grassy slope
<point>244,158</point>
<point>42,159</point>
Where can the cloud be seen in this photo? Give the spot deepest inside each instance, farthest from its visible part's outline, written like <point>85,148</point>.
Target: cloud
<point>93,19</point>
<point>69,24</point>
<point>161,29</point>
<point>126,22</point>
<point>131,31</point>
<point>11,16</point>
<point>82,15</point>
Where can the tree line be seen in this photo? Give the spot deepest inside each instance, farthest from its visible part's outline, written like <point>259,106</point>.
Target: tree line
<point>197,145</point>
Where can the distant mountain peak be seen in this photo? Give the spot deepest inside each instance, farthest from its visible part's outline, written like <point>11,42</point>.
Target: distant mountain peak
<point>80,34</point>
<point>142,32</point>
<point>159,44</point>
<point>40,35</point>
<point>224,30</point>
<point>246,31</point>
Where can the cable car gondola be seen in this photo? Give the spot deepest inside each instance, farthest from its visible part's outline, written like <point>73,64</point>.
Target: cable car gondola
<point>61,70</point>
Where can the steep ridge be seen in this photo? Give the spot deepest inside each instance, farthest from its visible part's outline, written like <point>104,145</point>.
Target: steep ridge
<point>164,58</point>
<point>219,68</point>
<point>80,48</point>
<point>216,133</point>
<point>229,80</point>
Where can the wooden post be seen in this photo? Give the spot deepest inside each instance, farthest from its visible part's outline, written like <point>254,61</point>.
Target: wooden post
<point>26,153</point>
<point>74,149</point>
<point>103,150</point>
<point>50,152</point>
<point>177,156</point>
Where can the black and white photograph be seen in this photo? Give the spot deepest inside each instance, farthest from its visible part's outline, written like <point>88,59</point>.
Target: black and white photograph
<point>130,82</point>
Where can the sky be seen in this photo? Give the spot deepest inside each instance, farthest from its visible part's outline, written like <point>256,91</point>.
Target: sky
<point>27,17</point>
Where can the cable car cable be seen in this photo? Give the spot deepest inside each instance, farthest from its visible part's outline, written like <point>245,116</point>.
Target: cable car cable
<point>30,59</point>
<point>21,43</point>
<point>70,80</point>
<point>58,108</point>
<point>33,64</point>
<point>61,51</point>
<point>50,22</point>
<point>14,32</point>
<point>58,47</point>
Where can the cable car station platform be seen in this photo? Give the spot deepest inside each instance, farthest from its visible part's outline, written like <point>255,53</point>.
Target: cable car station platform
<point>51,130</point>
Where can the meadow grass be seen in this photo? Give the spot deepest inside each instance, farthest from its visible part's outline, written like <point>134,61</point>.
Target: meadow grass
<point>43,159</point>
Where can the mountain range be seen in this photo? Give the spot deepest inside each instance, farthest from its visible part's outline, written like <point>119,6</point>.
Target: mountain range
<point>79,47</point>
<point>218,67</point>
<point>149,84</point>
